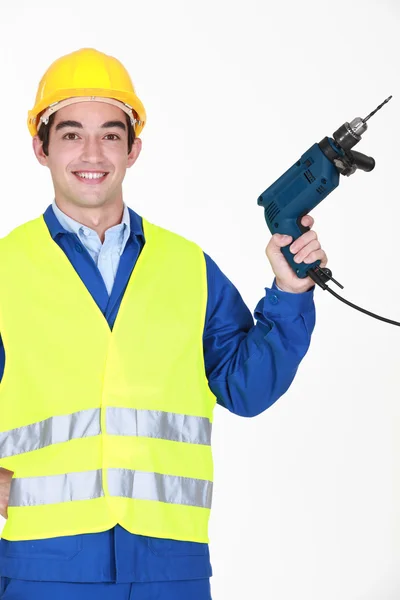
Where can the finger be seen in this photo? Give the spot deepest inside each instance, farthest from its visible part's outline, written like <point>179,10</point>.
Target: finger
<point>324,261</point>
<point>311,247</point>
<point>279,241</point>
<point>302,241</point>
<point>307,221</point>
<point>316,255</point>
<point>5,475</point>
<point>3,510</point>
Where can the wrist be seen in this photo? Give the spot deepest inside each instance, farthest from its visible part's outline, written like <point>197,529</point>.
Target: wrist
<point>299,289</point>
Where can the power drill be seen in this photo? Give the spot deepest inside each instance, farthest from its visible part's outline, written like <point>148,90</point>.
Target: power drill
<point>309,181</point>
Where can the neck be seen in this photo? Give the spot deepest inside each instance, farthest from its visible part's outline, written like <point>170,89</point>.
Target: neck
<point>98,218</point>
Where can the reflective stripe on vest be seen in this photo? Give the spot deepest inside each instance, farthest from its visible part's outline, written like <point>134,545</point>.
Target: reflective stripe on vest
<point>54,430</point>
<point>137,485</point>
<point>162,425</point>
<point>119,421</point>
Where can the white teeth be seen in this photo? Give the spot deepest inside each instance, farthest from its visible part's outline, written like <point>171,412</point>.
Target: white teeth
<point>90,175</point>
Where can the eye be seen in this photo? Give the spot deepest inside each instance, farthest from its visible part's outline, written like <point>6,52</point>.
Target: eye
<point>67,136</point>
<point>113,135</point>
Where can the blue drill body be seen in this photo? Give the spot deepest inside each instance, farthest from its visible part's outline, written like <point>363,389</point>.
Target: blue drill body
<point>309,181</point>
<point>295,194</point>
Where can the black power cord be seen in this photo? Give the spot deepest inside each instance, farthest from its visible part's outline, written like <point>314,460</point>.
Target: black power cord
<point>321,276</point>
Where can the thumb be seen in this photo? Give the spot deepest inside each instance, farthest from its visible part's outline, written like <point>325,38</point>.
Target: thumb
<point>280,241</point>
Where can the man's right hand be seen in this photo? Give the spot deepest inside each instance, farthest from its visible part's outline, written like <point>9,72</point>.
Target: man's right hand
<point>5,484</point>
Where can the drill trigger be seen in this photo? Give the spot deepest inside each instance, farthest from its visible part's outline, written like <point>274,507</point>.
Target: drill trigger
<point>302,228</point>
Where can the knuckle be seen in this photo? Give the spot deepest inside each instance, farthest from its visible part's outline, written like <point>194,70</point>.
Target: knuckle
<point>273,241</point>
<point>300,253</point>
<point>312,257</point>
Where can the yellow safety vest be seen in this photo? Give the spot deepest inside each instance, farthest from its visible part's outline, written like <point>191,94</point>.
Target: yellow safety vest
<point>104,426</point>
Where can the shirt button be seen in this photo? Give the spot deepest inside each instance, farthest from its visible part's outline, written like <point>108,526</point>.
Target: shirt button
<point>86,232</point>
<point>274,299</point>
<point>78,248</point>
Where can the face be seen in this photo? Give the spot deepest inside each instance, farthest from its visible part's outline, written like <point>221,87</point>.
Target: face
<point>88,154</point>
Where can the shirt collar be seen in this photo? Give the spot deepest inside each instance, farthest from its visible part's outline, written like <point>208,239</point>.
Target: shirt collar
<point>129,217</point>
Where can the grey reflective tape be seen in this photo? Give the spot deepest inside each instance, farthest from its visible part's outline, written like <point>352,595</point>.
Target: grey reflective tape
<point>139,485</point>
<point>54,430</point>
<point>158,424</point>
<point>171,489</point>
<point>53,489</point>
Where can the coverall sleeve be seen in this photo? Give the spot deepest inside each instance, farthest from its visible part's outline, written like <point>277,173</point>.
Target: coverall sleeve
<point>249,365</point>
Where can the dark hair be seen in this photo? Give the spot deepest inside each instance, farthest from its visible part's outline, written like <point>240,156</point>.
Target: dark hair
<point>44,133</point>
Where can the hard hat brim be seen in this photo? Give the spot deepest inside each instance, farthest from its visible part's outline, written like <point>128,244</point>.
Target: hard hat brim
<point>125,97</point>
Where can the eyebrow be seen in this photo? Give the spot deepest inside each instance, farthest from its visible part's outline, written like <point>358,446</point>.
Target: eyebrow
<point>110,124</point>
<point>69,124</point>
<point>78,125</point>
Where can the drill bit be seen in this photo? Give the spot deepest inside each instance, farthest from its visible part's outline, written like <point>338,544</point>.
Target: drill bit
<point>376,110</point>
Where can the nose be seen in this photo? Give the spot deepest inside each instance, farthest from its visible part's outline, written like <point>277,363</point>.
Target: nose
<point>92,151</point>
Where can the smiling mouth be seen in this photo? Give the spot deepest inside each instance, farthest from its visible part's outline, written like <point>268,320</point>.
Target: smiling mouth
<point>90,177</point>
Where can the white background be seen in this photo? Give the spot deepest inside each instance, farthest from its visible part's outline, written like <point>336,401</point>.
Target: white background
<point>307,495</point>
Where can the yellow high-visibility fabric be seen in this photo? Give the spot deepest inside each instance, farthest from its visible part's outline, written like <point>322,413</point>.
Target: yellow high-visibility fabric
<point>62,358</point>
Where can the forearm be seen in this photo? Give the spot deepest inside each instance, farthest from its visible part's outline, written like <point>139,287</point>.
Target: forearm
<point>261,363</point>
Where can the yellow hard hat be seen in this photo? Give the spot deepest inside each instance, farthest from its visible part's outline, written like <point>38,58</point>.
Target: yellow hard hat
<point>86,74</point>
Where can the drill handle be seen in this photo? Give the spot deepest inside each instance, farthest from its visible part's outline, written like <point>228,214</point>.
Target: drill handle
<point>295,229</point>
<point>299,268</point>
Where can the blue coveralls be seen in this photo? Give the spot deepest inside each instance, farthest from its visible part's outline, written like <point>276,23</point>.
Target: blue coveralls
<point>248,367</point>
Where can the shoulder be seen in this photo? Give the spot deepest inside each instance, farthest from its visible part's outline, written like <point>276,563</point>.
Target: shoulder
<point>152,231</point>
<point>21,232</point>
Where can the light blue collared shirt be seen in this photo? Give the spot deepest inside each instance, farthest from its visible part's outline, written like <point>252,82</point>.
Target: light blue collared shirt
<point>106,255</point>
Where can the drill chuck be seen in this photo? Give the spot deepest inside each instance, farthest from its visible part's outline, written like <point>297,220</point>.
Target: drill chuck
<point>349,134</point>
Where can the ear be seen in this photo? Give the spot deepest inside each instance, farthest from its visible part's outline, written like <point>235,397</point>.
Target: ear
<point>134,153</point>
<point>38,150</point>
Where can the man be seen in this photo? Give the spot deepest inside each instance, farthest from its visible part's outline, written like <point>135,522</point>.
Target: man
<point>118,337</point>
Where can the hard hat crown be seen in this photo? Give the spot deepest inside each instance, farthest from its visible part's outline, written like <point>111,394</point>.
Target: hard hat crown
<point>86,72</point>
